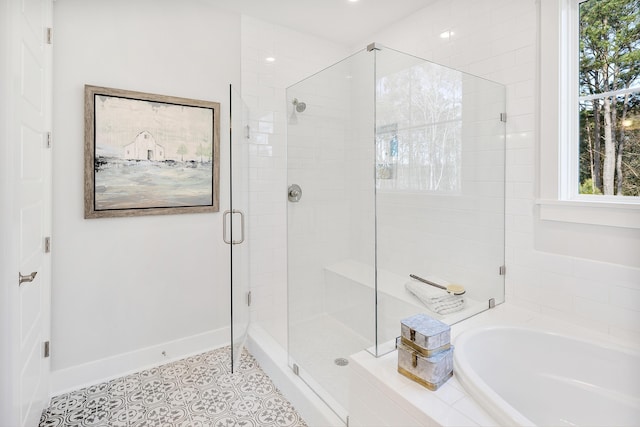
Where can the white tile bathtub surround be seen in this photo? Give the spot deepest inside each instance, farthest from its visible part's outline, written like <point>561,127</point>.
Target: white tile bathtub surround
<point>565,270</point>
<point>263,85</point>
<point>382,395</point>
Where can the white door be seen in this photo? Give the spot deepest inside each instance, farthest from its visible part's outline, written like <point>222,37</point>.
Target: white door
<point>27,213</point>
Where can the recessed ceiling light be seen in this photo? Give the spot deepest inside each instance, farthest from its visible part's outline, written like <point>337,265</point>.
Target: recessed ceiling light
<point>270,59</point>
<point>446,34</point>
<point>352,1</point>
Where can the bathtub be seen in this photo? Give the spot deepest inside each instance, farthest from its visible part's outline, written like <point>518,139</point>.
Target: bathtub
<point>528,377</point>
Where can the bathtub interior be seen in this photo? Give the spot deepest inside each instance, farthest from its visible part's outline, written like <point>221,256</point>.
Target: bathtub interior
<point>529,377</point>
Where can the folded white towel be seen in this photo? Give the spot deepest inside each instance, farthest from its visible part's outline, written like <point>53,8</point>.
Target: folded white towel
<point>446,306</point>
<point>449,310</point>
<point>437,300</point>
<point>428,292</point>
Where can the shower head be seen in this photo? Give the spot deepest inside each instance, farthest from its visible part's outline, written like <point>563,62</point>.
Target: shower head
<point>300,106</point>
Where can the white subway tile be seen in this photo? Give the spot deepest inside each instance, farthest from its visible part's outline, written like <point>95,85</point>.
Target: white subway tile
<point>624,297</point>
<point>625,337</point>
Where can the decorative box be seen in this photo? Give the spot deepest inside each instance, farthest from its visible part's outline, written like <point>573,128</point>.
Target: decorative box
<point>425,334</point>
<point>431,371</point>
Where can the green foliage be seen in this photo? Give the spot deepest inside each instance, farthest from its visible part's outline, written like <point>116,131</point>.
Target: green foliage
<point>610,61</point>
<point>587,187</point>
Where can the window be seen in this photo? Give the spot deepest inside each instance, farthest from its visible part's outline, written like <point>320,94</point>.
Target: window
<point>571,105</point>
<point>609,97</point>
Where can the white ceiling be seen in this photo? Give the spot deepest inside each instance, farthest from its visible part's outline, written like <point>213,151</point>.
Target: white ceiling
<point>340,21</point>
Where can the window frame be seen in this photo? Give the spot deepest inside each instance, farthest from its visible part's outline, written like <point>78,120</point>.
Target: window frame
<point>558,127</point>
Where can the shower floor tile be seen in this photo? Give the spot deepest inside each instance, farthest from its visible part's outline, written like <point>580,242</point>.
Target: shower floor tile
<point>315,345</point>
<point>199,391</point>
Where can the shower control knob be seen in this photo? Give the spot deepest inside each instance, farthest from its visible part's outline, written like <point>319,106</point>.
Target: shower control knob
<point>295,193</point>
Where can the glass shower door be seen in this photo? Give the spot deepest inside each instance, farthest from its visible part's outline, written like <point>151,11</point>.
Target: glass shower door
<point>239,137</point>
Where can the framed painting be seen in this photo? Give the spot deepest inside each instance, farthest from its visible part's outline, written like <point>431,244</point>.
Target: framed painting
<point>149,154</point>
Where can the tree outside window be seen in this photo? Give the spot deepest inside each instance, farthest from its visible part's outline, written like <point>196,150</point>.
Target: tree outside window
<point>609,96</point>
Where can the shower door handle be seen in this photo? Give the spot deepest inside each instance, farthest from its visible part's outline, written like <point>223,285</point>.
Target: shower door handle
<point>224,227</point>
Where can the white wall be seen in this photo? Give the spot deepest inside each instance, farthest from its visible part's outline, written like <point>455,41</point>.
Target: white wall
<point>124,284</point>
<point>549,266</point>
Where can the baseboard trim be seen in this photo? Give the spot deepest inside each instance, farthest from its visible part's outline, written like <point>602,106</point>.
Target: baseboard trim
<point>97,371</point>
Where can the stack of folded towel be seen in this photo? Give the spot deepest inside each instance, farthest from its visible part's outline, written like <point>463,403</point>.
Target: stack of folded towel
<point>437,300</point>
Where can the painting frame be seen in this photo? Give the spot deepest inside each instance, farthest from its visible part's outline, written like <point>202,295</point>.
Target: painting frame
<point>131,143</point>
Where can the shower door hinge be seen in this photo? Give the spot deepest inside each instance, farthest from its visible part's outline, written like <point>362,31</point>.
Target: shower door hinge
<point>347,420</point>
<point>247,132</point>
<point>49,35</point>
<point>502,270</point>
<point>48,140</point>
<point>492,303</point>
<point>249,299</point>
<point>47,245</point>
<point>296,369</point>
<point>46,349</point>
<point>503,117</point>
<point>372,46</point>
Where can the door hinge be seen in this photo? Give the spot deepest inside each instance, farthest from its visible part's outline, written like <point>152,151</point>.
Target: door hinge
<point>49,35</point>
<point>48,139</point>
<point>503,117</point>
<point>249,299</point>
<point>372,46</point>
<point>502,270</point>
<point>47,349</point>
<point>47,245</point>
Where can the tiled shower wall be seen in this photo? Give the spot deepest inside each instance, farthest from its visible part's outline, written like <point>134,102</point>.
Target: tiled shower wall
<point>264,83</point>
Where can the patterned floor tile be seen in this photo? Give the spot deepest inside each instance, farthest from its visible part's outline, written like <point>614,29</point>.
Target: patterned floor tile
<point>199,391</point>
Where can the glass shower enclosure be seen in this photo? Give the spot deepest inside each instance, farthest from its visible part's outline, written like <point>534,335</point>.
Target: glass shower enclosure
<point>395,167</point>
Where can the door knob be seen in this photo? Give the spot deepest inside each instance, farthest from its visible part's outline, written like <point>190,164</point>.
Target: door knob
<point>25,279</point>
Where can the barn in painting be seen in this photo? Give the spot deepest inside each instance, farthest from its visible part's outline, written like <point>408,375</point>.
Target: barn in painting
<point>144,147</point>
